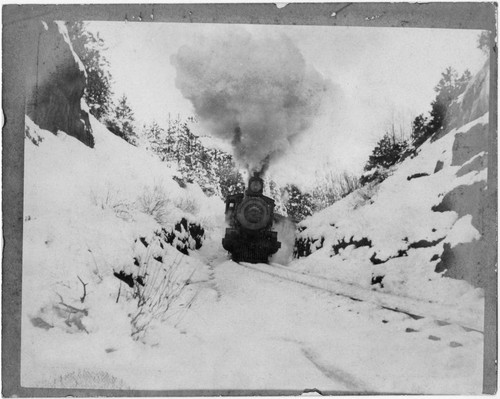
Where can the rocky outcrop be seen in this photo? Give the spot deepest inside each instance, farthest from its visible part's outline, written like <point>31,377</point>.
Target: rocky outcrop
<point>469,144</point>
<point>56,84</point>
<point>465,261</point>
<point>474,102</point>
<point>465,200</point>
<point>304,246</point>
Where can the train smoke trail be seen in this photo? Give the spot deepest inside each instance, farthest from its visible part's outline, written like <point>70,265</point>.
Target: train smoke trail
<point>257,93</point>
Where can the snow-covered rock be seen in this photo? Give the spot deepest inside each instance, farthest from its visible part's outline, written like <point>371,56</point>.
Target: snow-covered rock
<point>474,102</point>
<point>56,84</point>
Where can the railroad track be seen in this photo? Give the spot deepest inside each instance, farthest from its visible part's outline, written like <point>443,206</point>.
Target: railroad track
<point>417,309</point>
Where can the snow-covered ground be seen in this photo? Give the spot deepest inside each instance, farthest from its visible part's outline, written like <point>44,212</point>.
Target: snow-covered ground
<point>239,326</point>
<point>254,331</point>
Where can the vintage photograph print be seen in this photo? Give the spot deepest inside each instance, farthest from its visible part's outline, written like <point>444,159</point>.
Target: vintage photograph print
<point>247,207</point>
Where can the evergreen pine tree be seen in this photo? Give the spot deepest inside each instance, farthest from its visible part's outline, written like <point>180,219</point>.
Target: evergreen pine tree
<point>90,49</point>
<point>276,193</point>
<point>450,86</point>
<point>420,130</point>
<point>229,178</point>
<point>483,42</point>
<point>212,169</point>
<point>154,136</point>
<point>121,121</point>
<point>387,152</point>
<point>299,204</point>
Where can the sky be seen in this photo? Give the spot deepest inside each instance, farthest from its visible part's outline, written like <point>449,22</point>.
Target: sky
<point>383,76</point>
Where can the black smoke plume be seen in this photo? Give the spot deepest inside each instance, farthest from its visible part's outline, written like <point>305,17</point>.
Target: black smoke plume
<point>255,92</point>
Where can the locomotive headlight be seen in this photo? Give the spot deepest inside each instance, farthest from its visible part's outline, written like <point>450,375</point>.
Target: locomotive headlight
<point>254,213</point>
<point>255,186</point>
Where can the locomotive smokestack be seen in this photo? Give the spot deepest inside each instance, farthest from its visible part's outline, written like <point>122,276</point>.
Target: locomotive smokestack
<point>265,165</point>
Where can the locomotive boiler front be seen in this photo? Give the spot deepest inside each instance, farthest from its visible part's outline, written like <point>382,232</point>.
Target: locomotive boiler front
<point>250,216</point>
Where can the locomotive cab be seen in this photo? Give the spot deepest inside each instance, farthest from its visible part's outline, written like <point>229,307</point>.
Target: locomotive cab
<point>250,216</point>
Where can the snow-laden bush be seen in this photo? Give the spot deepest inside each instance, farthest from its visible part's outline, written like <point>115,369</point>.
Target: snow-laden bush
<point>365,194</point>
<point>375,175</point>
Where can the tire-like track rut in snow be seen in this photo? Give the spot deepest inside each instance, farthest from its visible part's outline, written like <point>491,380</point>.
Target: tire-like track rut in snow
<point>335,374</point>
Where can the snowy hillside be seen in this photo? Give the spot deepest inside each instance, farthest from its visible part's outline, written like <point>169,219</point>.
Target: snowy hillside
<point>93,215</point>
<point>398,237</point>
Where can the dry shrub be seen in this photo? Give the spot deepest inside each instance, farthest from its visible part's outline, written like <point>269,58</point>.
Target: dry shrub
<point>331,187</point>
<point>112,199</point>
<point>162,291</point>
<point>154,201</point>
<point>87,379</point>
<point>187,204</point>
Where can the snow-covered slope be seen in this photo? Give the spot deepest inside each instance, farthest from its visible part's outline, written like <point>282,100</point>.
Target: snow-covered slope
<point>92,213</point>
<point>407,235</point>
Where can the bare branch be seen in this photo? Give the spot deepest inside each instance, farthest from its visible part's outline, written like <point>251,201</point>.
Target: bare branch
<point>82,299</point>
<point>70,308</point>
<point>119,291</point>
<point>97,272</point>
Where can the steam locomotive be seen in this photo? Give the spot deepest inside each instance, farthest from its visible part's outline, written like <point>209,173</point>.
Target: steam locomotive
<point>250,217</point>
